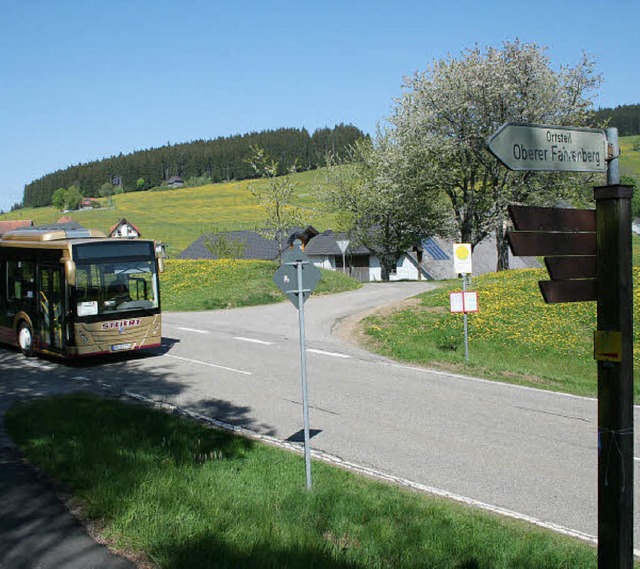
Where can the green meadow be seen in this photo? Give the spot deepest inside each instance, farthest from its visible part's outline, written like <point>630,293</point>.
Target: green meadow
<point>630,156</point>
<point>178,217</point>
<point>514,337</point>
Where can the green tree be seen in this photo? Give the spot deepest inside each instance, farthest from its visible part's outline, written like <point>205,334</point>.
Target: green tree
<point>73,198</point>
<point>275,197</point>
<point>65,199</point>
<point>223,247</point>
<point>106,191</point>
<point>446,113</point>
<point>59,199</point>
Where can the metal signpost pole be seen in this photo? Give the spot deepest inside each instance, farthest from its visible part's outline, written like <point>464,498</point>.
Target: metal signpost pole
<point>466,321</point>
<point>303,368</point>
<point>297,266</point>
<point>463,265</point>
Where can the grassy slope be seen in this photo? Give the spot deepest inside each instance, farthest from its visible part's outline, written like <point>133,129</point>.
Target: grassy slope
<point>178,217</point>
<point>229,283</point>
<point>515,337</point>
<point>630,159</point>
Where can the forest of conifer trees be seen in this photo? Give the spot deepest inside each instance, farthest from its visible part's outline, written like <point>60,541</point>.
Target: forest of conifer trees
<point>216,160</point>
<point>626,118</point>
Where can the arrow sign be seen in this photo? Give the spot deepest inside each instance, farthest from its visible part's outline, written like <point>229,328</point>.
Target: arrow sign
<point>567,239</point>
<point>535,147</point>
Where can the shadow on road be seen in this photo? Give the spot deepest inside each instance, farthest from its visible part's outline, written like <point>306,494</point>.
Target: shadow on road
<point>33,507</point>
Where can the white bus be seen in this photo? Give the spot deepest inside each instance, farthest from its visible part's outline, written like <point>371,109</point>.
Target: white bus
<point>76,292</point>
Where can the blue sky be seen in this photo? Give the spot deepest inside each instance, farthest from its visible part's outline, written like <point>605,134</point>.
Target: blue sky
<point>81,80</point>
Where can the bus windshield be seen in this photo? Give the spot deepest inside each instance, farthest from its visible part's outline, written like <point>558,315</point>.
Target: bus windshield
<point>107,287</point>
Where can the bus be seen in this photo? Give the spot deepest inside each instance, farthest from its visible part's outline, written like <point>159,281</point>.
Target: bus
<point>76,292</point>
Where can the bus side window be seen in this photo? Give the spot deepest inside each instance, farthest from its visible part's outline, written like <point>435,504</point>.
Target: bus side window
<point>28,277</point>
<point>14,276</point>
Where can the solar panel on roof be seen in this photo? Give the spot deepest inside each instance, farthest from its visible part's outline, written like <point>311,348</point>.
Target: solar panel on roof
<point>432,248</point>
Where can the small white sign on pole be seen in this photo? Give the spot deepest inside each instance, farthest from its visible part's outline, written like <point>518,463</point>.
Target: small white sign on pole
<point>456,302</point>
<point>462,262</point>
<point>463,301</point>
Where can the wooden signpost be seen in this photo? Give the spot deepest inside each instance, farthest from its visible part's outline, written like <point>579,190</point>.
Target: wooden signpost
<point>588,257</point>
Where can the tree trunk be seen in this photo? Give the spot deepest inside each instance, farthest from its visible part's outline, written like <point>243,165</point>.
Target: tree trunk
<point>502,247</point>
<point>387,264</point>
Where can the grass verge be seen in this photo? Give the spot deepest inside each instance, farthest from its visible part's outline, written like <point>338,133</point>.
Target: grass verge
<point>186,495</point>
<point>515,337</point>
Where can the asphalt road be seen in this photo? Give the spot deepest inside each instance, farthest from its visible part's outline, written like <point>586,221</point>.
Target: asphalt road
<point>531,453</point>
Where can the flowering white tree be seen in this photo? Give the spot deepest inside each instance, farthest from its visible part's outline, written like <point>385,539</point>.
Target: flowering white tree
<point>377,207</point>
<point>445,114</point>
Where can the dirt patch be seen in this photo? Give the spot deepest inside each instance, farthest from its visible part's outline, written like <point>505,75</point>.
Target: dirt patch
<point>350,329</point>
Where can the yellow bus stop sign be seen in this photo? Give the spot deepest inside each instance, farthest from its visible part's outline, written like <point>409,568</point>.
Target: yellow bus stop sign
<point>462,258</point>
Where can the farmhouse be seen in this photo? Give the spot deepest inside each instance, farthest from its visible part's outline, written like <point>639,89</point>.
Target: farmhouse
<point>89,203</point>
<point>175,182</point>
<point>431,259</point>
<point>125,230</point>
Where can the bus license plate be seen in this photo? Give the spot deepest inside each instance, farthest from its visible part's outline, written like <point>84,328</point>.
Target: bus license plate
<point>119,347</point>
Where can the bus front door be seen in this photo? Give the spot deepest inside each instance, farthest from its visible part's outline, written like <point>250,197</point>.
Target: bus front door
<point>50,308</point>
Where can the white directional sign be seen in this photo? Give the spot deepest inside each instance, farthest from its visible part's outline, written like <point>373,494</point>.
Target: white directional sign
<point>552,148</point>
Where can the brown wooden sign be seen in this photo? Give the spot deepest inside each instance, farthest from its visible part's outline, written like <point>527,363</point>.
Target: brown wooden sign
<point>577,267</point>
<point>541,243</point>
<point>567,240</point>
<point>568,290</point>
<point>530,218</point>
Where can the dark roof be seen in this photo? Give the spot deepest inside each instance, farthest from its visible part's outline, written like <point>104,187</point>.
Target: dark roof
<point>264,248</point>
<point>325,244</point>
<point>67,225</point>
<point>255,245</point>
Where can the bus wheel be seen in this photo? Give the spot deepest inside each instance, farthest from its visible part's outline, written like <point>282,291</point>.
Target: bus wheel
<point>25,339</point>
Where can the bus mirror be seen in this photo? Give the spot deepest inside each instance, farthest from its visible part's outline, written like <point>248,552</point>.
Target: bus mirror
<point>71,270</point>
<point>161,253</point>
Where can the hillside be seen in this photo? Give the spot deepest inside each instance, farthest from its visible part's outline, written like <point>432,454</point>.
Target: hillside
<point>200,161</point>
<point>178,217</point>
<point>630,157</point>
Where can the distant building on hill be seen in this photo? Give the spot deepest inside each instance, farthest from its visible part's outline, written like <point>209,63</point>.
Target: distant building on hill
<point>89,203</point>
<point>175,182</point>
<point>125,230</point>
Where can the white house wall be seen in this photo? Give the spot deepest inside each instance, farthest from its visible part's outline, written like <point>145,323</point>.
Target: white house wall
<point>405,270</point>
<point>323,262</point>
